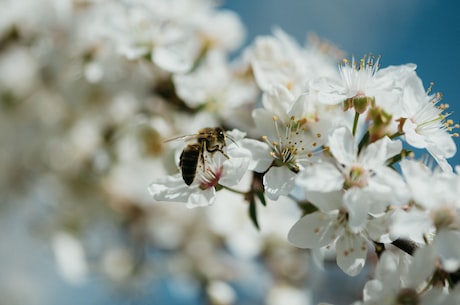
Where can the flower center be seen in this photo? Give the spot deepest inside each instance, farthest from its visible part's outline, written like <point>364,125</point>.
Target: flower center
<point>294,144</point>
<point>445,217</point>
<point>210,172</point>
<point>407,296</point>
<point>431,117</point>
<point>357,76</point>
<point>356,176</point>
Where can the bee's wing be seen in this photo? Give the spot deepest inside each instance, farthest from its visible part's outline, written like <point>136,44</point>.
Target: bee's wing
<point>185,138</point>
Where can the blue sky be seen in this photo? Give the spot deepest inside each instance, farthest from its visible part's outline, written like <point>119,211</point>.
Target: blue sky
<point>424,32</point>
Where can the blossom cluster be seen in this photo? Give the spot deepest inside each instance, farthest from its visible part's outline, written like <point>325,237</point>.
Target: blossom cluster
<point>340,141</point>
<point>119,93</point>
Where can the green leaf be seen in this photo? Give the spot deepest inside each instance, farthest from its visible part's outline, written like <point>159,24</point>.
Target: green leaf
<point>253,212</point>
<point>261,197</point>
<point>364,141</point>
<point>397,158</point>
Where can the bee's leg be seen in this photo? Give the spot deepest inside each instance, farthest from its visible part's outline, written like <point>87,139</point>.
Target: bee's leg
<point>225,155</point>
<point>203,157</point>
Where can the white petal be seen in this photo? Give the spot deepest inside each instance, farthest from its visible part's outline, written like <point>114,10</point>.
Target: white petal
<point>423,265</point>
<point>386,187</point>
<point>278,181</point>
<point>172,58</point>
<point>314,231</point>
<point>412,225</point>
<point>278,100</point>
<point>265,125</point>
<point>177,50</point>
<point>351,253</point>
<point>378,228</point>
<point>412,136</point>
<point>342,145</point>
<point>233,171</point>
<point>444,144</point>
<point>378,152</point>
<point>358,206</point>
<point>372,291</point>
<point>326,202</point>
<point>201,198</point>
<point>260,152</point>
<point>446,243</point>
<point>330,91</point>
<point>171,188</point>
<point>322,177</point>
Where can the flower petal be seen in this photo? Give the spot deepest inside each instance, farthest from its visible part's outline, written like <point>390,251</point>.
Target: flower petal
<point>446,243</point>
<point>325,202</point>
<point>278,100</point>
<point>357,204</point>
<point>170,188</point>
<point>423,265</point>
<point>278,181</point>
<point>314,230</point>
<point>377,153</point>
<point>321,177</point>
<point>201,198</point>
<point>234,169</point>
<point>342,145</point>
<point>351,253</point>
<point>412,224</point>
<point>260,155</point>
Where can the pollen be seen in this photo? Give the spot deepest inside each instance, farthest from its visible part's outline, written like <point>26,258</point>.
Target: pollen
<point>293,144</point>
<point>303,121</point>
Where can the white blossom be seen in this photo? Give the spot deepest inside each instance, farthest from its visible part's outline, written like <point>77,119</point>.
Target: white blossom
<point>217,170</point>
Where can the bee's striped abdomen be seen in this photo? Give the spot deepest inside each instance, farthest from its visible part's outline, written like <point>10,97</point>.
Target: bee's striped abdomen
<point>188,162</point>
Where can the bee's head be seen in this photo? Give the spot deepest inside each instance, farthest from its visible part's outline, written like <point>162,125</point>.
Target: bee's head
<point>220,134</point>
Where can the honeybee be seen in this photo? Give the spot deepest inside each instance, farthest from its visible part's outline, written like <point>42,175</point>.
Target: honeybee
<point>209,139</point>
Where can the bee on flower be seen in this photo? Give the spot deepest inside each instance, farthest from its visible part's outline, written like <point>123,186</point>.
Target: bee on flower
<point>207,165</point>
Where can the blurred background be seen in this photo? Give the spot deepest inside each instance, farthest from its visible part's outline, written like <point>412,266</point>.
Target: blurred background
<point>77,225</point>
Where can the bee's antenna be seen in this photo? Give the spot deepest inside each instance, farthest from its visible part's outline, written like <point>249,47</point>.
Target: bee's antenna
<point>231,139</point>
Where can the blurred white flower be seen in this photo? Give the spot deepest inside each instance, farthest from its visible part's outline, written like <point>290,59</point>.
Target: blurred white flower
<point>221,293</point>
<point>18,72</point>
<point>284,294</point>
<point>319,229</point>
<point>434,215</point>
<point>70,257</point>
<point>396,282</point>
<point>174,34</point>
<point>279,60</point>
<point>217,87</point>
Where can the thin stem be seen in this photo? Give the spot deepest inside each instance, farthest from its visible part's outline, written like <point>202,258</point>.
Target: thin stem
<point>232,190</point>
<point>355,123</point>
<point>395,135</point>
